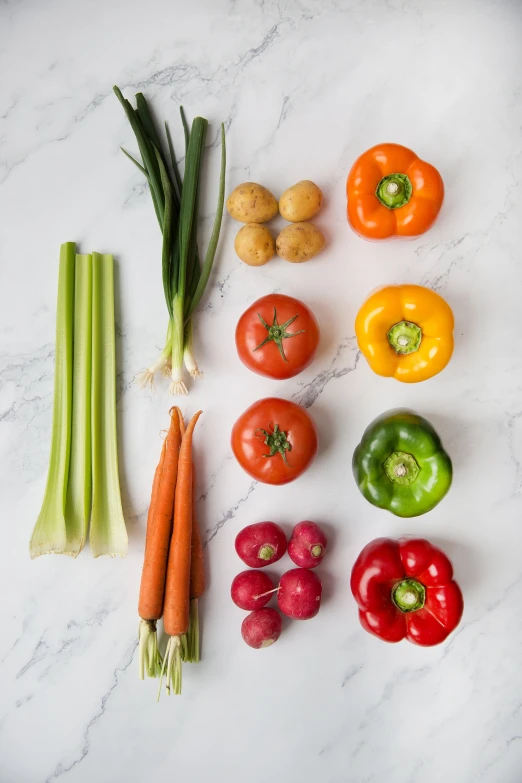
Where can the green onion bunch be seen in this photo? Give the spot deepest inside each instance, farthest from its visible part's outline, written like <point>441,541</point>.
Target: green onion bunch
<point>175,203</point>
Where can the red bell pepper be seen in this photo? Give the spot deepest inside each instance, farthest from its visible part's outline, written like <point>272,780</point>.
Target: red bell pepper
<point>405,590</point>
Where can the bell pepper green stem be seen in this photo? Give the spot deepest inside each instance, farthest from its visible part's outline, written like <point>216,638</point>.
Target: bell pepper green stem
<point>401,468</point>
<point>409,595</point>
<point>405,337</point>
<point>394,191</point>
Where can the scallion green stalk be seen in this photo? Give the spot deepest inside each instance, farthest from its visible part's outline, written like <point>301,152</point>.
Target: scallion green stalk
<point>108,535</point>
<point>78,504</point>
<point>49,534</point>
<point>176,204</point>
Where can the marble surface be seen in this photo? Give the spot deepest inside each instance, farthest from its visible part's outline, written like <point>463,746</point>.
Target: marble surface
<point>304,86</point>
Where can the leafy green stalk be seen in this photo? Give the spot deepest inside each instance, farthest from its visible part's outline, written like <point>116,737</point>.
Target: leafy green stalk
<point>212,246</point>
<point>108,535</point>
<point>176,204</point>
<point>186,223</point>
<point>78,504</point>
<point>147,155</point>
<point>49,534</point>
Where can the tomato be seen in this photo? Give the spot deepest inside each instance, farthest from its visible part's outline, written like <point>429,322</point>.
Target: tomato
<point>277,336</point>
<point>274,440</point>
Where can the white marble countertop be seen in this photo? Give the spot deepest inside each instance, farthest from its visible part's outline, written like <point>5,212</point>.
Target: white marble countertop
<point>304,86</point>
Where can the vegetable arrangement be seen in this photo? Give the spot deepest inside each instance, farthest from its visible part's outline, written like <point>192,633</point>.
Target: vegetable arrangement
<point>253,204</point>
<point>173,577</point>
<point>299,590</point>
<point>83,481</point>
<point>175,203</point>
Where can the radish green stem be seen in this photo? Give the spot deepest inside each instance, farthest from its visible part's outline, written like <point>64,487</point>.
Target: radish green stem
<point>268,592</point>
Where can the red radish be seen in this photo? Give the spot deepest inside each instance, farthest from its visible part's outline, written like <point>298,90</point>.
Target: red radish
<point>299,594</point>
<point>248,590</point>
<point>261,544</point>
<point>307,545</point>
<point>261,628</point>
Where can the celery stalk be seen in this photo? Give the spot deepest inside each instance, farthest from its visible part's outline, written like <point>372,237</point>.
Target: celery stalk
<point>108,535</point>
<point>78,505</point>
<point>49,534</point>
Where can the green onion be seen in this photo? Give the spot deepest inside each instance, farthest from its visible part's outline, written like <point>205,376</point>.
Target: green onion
<point>176,205</point>
<point>49,534</point>
<point>78,505</point>
<point>108,535</point>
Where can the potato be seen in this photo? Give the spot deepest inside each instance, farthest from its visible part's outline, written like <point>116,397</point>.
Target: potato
<point>299,242</point>
<point>251,203</point>
<point>254,244</point>
<point>301,202</point>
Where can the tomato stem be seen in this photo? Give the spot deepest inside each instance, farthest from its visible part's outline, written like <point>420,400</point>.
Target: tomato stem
<point>277,442</point>
<point>277,333</point>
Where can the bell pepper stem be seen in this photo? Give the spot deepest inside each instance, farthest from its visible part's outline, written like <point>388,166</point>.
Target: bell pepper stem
<point>409,595</point>
<point>394,190</point>
<point>401,468</point>
<point>405,337</point>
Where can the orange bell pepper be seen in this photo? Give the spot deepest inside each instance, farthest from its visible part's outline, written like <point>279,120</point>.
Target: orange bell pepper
<point>405,332</point>
<point>391,192</point>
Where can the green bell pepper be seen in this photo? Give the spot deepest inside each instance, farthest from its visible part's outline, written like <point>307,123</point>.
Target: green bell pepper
<point>400,464</point>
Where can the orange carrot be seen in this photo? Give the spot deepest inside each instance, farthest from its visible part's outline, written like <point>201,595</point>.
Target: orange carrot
<point>176,610</point>
<point>190,642</point>
<point>153,576</point>
<point>177,588</point>
<point>197,565</point>
<point>154,493</point>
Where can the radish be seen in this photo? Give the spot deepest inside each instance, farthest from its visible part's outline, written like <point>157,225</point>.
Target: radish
<point>249,590</point>
<point>307,545</point>
<point>261,628</point>
<point>261,544</point>
<point>299,594</point>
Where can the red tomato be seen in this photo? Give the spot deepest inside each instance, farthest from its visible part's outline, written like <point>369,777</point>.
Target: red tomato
<point>277,336</point>
<point>274,440</point>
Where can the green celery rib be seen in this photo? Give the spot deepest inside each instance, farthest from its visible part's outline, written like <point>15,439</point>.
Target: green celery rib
<point>78,505</point>
<point>212,246</point>
<point>49,534</point>
<point>108,534</point>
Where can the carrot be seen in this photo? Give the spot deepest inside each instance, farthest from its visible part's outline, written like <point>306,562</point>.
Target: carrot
<point>154,493</point>
<point>159,528</point>
<point>177,588</point>
<point>197,583</point>
<point>197,565</point>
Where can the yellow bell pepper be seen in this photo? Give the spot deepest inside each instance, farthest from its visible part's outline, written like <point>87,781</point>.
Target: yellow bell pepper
<point>405,332</point>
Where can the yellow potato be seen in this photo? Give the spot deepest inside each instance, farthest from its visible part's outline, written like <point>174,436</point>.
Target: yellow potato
<point>299,242</point>
<point>301,202</point>
<point>254,244</point>
<point>251,203</point>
